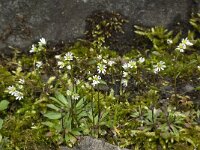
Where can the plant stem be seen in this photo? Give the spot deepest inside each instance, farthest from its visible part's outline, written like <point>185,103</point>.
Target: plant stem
<point>62,123</point>
<point>99,111</point>
<point>93,115</point>
<point>175,86</point>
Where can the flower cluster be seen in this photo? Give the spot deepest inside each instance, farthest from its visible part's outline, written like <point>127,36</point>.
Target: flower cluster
<point>131,64</point>
<point>16,90</point>
<point>65,61</point>
<point>183,45</point>
<point>39,47</point>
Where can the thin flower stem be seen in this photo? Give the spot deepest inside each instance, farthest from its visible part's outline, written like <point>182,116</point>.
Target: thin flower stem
<point>99,111</point>
<point>93,115</point>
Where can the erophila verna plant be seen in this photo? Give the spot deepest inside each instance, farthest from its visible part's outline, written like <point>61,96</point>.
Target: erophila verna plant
<point>145,99</point>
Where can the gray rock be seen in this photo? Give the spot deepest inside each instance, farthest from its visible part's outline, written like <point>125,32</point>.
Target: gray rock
<point>89,143</point>
<point>25,21</point>
<point>188,88</point>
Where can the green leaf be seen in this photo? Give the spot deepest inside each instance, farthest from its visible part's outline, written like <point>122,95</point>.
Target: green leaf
<point>49,124</point>
<point>1,123</point>
<point>76,132</point>
<point>190,141</point>
<point>51,79</point>
<point>53,115</point>
<point>4,105</point>
<point>0,138</point>
<point>80,104</point>
<point>61,98</point>
<point>52,106</point>
<point>57,101</point>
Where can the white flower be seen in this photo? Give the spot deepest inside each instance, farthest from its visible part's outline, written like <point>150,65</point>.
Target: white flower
<point>99,57</point>
<point>198,67</point>
<point>141,60</point>
<point>186,42</point>
<point>95,80</point>
<point>57,56</point>
<point>69,67</point>
<point>61,64</point>
<point>104,61</point>
<point>39,64</point>
<point>169,41</point>
<point>11,90</point>
<point>77,81</point>
<point>42,42</point>
<point>125,74</point>
<point>18,95</point>
<point>111,63</point>
<point>101,68</point>
<point>132,64</point>
<point>124,82</point>
<point>21,81</point>
<point>159,66</point>
<point>181,47</point>
<point>69,93</point>
<point>68,56</point>
<point>126,66</point>
<point>33,49</point>
<point>75,96</point>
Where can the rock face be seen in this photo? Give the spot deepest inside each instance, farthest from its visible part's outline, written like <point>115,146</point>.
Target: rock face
<point>88,143</point>
<point>24,21</point>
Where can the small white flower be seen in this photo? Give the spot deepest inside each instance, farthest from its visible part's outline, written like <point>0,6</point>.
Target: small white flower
<point>75,96</point>
<point>58,57</point>
<point>169,41</point>
<point>91,50</point>
<point>18,95</point>
<point>187,42</point>
<point>77,81</point>
<point>42,42</point>
<point>126,66</point>
<point>61,64</point>
<point>132,64</point>
<point>181,47</point>
<point>21,81</point>
<point>125,74</point>
<point>104,61</point>
<point>69,93</point>
<point>33,49</point>
<point>101,68</point>
<point>39,64</point>
<point>141,60</point>
<point>11,90</point>
<point>95,80</point>
<point>68,56</point>
<point>198,67</point>
<point>69,67</point>
<point>111,63</point>
<point>99,57</point>
<point>124,82</point>
<point>159,66</point>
